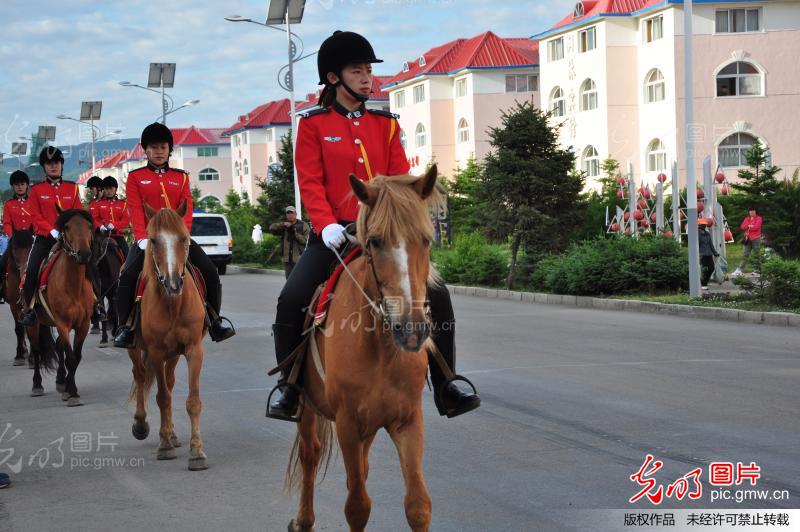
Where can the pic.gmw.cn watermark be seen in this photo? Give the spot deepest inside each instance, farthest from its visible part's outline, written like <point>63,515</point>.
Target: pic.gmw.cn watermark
<point>78,450</point>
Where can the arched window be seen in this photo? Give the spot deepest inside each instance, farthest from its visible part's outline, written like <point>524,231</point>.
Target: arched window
<point>236,168</point>
<point>245,168</point>
<point>731,151</point>
<point>739,79</point>
<point>591,162</point>
<point>463,130</point>
<point>403,139</point>
<point>588,95</point>
<point>654,87</point>
<point>208,174</point>
<point>557,104</point>
<point>578,11</point>
<point>656,156</point>
<point>419,134</point>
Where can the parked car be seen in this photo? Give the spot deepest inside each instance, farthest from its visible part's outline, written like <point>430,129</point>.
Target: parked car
<point>213,233</point>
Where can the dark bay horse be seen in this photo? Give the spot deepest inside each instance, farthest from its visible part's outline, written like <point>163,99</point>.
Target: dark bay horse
<point>67,302</point>
<point>372,362</point>
<point>172,323</point>
<point>20,243</point>
<point>108,264</point>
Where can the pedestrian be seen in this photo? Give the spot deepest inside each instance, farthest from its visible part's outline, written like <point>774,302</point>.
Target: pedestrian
<point>5,480</point>
<point>707,251</point>
<point>294,235</point>
<point>751,237</point>
<point>339,138</point>
<point>257,235</point>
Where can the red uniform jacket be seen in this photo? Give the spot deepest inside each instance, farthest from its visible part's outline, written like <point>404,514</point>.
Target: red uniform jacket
<point>752,226</point>
<point>43,199</point>
<point>332,143</point>
<point>16,215</point>
<point>159,188</point>
<point>113,211</point>
<point>93,204</point>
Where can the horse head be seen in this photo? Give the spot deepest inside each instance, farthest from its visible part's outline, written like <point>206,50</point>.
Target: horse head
<point>168,246</point>
<point>21,243</point>
<point>395,230</point>
<point>76,228</point>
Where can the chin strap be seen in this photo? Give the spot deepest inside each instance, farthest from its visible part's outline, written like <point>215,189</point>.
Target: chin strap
<point>354,94</point>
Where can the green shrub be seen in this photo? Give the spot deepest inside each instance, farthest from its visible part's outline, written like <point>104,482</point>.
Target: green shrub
<point>782,282</point>
<point>614,266</point>
<point>472,261</point>
<point>246,251</point>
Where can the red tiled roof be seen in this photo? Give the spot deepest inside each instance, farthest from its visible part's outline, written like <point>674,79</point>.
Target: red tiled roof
<point>486,50</point>
<point>271,113</point>
<point>136,154</point>
<point>594,8</point>
<point>194,136</point>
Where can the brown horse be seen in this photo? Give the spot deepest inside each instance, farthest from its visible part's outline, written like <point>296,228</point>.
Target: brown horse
<point>20,244</point>
<point>67,303</point>
<point>171,323</point>
<point>372,354</point>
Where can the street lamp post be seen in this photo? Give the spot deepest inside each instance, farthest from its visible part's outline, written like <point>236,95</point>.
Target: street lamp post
<point>691,179</point>
<point>90,111</point>
<point>162,75</point>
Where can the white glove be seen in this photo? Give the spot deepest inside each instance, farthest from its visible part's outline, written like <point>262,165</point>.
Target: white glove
<point>103,229</point>
<point>142,244</point>
<point>333,235</point>
<point>110,227</point>
<point>54,233</point>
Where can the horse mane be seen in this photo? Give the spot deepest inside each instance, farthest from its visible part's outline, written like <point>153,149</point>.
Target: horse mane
<point>166,220</point>
<point>22,239</point>
<point>67,215</point>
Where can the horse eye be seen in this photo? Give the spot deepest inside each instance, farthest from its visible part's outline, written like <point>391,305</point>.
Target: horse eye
<point>374,242</point>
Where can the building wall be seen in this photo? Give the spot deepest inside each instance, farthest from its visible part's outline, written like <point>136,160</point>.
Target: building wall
<point>185,157</point>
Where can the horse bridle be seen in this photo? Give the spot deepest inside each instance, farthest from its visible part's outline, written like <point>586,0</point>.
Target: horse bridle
<point>161,277</point>
<point>71,251</point>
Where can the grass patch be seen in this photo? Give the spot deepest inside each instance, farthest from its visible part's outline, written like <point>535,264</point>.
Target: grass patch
<point>733,301</point>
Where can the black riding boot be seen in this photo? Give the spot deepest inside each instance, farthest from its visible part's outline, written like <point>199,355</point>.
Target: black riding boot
<point>450,400</point>
<point>125,337</point>
<point>285,399</point>
<point>218,330</point>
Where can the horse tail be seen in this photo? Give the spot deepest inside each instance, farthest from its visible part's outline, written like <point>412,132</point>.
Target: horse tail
<point>324,432</point>
<point>48,354</point>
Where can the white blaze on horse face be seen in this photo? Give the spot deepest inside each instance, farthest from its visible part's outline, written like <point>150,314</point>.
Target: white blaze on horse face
<point>400,256</point>
<point>169,240</point>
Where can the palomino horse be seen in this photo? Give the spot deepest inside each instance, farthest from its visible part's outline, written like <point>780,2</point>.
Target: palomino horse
<point>171,323</point>
<point>373,355</point>
<point>21,243</point>
<point>67,302</point>
<point>108,263</point>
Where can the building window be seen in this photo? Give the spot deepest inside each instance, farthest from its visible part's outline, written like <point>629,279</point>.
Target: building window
<point>525,83</point>
<point>591,162</point>
<point>739,79</point>
<point>653,28</point>
<point>270,135</point>
<point>422,60</point>
<point>236,168</point>
<point>656,156</point>
<point>236,141</point>
<point>463,130</point>
<point>738,20</point>
<point>403,140</point>
<point>654,86</point>
<point>731,151</point>
<point>557,104</point>
<point>588,39</point>
<point>461,87</point>
<point>419,93</point>
<point>419,134</point>
<point>555,49</point>
<point>405,67</point>
<point>588,95</point>
<point>208,152</point>
<point>208,174</point>
<point>400,99</point>
<point>245,168</point>
<point>244,137</point>
<point>578,11</point>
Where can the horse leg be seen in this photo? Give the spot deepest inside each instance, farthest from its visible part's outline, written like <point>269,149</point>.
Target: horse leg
<point>50,343</point>
<point>309,451</point>
<point>70,361</point>
<point>77,355</point>
<point>170,371</point>
<point>197,457</point>
<point>35,338</point>
<point>19,330</point>
<point>358,505</point>
<point>104,337</point>
<point>409,440</point>
<point>166,451</point>
<point>140,428</point>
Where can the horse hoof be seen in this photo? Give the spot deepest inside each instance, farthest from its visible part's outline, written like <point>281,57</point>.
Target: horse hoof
<point>61,387</point>
<point>65,396</point>
<point>175,441</point>
<point>198,463</point>
<point>140,433</point>
<point>101,345</point>
<point>74,401</point>
<point>166,453</point>
<point>294,527</point>
<point>19,361</point>
<point>37,391</point>
<point>94,330</point>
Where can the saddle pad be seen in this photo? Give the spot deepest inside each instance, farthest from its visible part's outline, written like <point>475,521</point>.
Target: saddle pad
<point>330,285</point>
<point>48,267</point>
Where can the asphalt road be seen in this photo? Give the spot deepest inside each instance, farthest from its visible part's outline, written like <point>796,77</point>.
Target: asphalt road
<point>573,401</point>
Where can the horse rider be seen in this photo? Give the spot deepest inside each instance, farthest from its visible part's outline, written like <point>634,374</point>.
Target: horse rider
<point>159,186</point>
<point>113,216</point>
<point>16,216</point>
<point>95,186</point>
<point>339,138</point>
<point>47,199</point>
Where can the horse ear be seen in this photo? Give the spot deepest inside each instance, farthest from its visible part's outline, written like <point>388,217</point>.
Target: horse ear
<point>366,194</point>
<point>425,185</point>
<point>148,210</point>
<point>181,210</point>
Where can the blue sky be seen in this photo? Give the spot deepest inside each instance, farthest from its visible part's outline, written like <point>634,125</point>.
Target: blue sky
<point>54,54</point>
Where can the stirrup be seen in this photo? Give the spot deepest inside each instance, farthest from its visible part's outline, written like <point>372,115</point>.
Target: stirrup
<point>454,379</point>
<point>301,404</point>
<point>232,328</point>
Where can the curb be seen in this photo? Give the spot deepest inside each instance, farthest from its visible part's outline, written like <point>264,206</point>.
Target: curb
<point>783,319</point>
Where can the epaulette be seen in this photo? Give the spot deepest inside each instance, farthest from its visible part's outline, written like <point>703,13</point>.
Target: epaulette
<point>179,170</point>
<point>137,169</point>
<point>39,183</point>
<point>314,112</point>
<point>381,112</point>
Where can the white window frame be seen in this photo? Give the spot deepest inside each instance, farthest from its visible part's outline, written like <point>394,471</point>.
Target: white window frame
<point>245,168</point>
<point>270,135</point>
<point>589,95</point>
<point>236,168</point>
<point>555,50</point>
<point>400,99</point>
<point>739,77</point>
<point>591,161</point>
<point>558,102</point>
<point>463,131</point>
<point>461,87</point>
<point>527,82</point>
<point>578,11</point>
<point>403,139</point>
<point>206,175</point>
<point>656,156</point>
<point>208,151</point>
<point>653,29</point>
<point>652,83</point>
<point>420,136</point>
<point>587,39</point>
<point>419,93</point>
<point>729,19</point>
<point>739,147</point>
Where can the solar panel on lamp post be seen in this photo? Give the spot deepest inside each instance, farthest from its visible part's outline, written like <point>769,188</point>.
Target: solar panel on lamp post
<point>162,75</point>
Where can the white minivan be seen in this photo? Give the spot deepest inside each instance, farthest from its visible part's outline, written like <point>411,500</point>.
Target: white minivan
<point>213,233</point>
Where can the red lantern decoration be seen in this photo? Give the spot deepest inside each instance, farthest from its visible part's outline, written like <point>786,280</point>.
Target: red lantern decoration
<point>653,217</point>
<point>641,203</point>
<point>646,193</point>
<point>638,214</point>
<point>621,193</point>
<point>644,223</point>
<point>710,222</point>
<point>667,234</point>
<point>725,190</point>
<point>621,181</point>
<point>681,216</point>
<point>627,230</point>
<point>615,228</point>
<point>728,235</point>
<point>662,177</point>
<point>700,193</point>
<point>720,176</point>
<point>627,216</point>
<point>700,208</point>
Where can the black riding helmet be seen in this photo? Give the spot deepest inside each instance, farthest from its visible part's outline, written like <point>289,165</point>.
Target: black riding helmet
<point>154,133</point>
<point>109,182</point>
<point>18,176</point>
<point>94,182</point>
<point>341,49</point>
<point>50,154</point>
